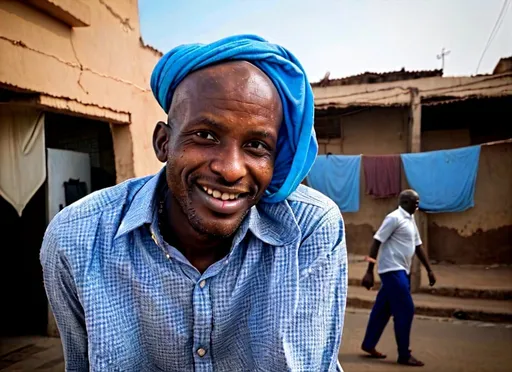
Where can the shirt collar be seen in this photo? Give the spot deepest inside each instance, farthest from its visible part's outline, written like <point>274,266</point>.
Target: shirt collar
<point>141,209</point>
<point>273,224</point>
<point>404,212</point>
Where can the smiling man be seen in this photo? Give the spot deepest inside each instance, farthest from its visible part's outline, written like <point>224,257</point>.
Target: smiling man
<point>222,261</point>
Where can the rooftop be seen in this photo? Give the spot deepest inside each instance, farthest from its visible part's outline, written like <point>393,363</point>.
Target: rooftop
<point>376,77</point>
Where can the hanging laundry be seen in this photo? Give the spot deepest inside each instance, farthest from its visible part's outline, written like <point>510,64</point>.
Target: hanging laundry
<point>382,175</point>
<point>338,177</point>
<point>22,154</point>
<point>445,180</point>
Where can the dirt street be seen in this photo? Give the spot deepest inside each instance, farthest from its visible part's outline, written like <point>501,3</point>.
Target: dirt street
<point>443,345</point>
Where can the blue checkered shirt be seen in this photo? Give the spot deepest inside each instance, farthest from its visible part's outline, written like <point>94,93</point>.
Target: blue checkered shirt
<point>276,302</point>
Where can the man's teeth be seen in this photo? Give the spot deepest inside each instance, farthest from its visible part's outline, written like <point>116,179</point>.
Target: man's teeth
<point>220,195</point>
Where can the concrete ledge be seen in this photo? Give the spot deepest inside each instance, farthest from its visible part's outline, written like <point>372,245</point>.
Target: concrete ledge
<point>489,294</point>
<point>492,311</point>
<point>493,282</point>
<point>74,13</point>
<point>482,293</point>
<point>76,108</point>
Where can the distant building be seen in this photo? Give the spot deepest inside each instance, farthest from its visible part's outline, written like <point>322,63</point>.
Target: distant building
<point>403,111</point>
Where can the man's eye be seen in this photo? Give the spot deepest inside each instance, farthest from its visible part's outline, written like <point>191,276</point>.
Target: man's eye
<point>205,135</point>
<point>257,145</point>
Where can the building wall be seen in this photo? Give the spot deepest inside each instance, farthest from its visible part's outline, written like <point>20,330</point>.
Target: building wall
<point>101,70</point>
<point>445,139</point>
<point>372,131</point>
<point>483,234</point>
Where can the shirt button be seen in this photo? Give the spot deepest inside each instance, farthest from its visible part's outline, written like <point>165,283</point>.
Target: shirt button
<point>201,352</point>
<point>202,284</point>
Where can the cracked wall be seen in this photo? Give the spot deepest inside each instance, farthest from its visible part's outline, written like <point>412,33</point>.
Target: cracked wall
<point>104,66</point>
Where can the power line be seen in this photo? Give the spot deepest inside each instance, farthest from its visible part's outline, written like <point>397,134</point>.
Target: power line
<point>494,32</point>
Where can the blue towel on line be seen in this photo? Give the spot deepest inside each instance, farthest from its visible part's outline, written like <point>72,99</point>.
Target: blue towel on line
<point>338,177</point>
<point>297,146</point>
<point>445,180</point>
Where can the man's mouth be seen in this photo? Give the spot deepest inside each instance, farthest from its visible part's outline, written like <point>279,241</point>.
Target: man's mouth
<point>223,202</point>
<point>220,195</point>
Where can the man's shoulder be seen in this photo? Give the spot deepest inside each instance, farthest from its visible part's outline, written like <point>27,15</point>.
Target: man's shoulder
<point>312,209</point>
<point>301,214</point>
<point>103,206</point>
<point>394,214</point>
<point>391,220</point>
<point>309,198</point>
<point>322,230</point>
<point>107,200</point>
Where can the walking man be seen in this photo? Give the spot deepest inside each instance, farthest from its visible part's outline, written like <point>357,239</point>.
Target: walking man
<point>398,240</point>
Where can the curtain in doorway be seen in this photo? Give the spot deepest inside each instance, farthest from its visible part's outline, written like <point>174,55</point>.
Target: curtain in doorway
<point>22,154</point>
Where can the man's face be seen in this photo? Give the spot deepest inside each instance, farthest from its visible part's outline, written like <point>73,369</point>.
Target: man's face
<point>221,145</point>
<point>410,203</point>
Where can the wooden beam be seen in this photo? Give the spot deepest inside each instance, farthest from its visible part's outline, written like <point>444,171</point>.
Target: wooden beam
<point>421,217</point>
<point>74,13</point>
<point>415,123</point>
<point>73,107</point>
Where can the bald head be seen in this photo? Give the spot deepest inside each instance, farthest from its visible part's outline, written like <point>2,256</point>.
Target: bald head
<point>408,194</point>
<point>409,200</point>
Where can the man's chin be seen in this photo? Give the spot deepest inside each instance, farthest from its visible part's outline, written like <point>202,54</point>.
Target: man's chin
<point>215,231</point>
<point>217,226</point>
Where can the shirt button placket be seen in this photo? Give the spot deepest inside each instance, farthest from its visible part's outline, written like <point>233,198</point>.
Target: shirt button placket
<point>202,326</point>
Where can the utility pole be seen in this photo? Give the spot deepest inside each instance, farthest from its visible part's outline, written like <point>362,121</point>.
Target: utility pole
<point>441,56</point>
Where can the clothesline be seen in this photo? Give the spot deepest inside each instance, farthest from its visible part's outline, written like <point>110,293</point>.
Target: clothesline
<point>444,179</point>
<point>493,143</point>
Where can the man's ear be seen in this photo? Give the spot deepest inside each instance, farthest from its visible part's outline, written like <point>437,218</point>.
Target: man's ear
<point>161,137</point>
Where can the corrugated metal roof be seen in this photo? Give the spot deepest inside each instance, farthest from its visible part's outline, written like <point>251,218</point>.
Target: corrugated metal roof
<point>376,77</point>
<point>446,100</point>
<point>504,65</point>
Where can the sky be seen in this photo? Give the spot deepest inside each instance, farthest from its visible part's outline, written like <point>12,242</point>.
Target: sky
<point>344,37</point>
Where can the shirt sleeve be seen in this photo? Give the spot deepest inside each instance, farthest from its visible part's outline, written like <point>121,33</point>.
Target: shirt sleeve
<point>386,229</point>
<point>62,296</point>
<point>315,332</point>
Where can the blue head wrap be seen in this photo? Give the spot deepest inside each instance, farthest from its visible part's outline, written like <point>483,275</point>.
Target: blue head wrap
<point>296,146</point>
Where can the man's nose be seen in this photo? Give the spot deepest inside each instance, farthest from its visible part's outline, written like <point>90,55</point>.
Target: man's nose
<point>229,163</point>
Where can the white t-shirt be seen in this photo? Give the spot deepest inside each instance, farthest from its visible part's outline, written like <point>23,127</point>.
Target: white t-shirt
<point>399,237</point>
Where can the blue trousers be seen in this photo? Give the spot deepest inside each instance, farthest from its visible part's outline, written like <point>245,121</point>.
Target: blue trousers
<point>394,298</point>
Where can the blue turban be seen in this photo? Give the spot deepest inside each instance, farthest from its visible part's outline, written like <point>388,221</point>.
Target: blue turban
<point>296,146</point>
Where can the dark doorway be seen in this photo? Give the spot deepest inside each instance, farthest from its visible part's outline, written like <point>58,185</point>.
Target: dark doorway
<point>22,296</point>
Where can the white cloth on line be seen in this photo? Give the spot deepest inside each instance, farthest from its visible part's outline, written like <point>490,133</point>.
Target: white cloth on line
<point>22,154</point>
